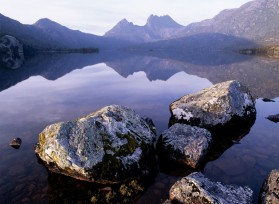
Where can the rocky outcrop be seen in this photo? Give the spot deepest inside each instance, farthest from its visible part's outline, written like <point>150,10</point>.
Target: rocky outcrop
<point>221,105</point>
<point>11,51</point>
<point>185,144</point>
<point>195,189</point>
<point>273,118</point>
<point>270,189</point>
<point>109,146</point>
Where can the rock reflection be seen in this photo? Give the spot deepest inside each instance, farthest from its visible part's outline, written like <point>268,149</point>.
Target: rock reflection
<point>63,189</point>
<point>225,138</point>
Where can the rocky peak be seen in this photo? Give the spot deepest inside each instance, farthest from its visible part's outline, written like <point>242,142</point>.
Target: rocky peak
<point>161,21</point>
<point>46,23</point>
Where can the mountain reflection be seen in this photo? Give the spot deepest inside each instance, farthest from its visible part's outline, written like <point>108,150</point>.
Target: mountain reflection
<point>259,74</point>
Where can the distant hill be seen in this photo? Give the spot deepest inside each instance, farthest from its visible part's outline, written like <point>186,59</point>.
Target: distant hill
<point>256,20</point>
<point>156,28</point>
<point>45,34</point>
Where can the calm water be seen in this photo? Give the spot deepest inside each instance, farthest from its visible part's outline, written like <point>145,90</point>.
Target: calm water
<point>52,88</point>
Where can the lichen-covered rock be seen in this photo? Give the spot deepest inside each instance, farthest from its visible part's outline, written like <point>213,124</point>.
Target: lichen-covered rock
<point>270,189</point>
<point>196,189</point>
<point>109,146</point>
<point>11,52</point>
<point>216,106</point>
<point>185,144</point>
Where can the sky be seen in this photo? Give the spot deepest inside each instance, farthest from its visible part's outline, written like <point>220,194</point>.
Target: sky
<point>99,16</point>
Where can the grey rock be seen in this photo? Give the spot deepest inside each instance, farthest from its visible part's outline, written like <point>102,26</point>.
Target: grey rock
<point>215,106</point>
<point>273,118</point>
<point>15,143</point>
<point>196,189</point>
<point>11,51</point>
<point>109,146</point>
<point>185,144</point>
<point>270,189</point>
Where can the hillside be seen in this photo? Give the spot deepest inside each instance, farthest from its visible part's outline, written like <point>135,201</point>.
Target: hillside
<point>256,20</point>
<point>45,34</point>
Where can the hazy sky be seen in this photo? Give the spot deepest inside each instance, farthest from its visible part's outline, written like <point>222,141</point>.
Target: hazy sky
<point>98,16</point>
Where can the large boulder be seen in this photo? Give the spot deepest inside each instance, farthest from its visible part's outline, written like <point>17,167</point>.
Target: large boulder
<point>185,144</point>
<point>109,146</point>
<point>11,52</point>
<point>223,104</point>
<point>270,189</point>
<point>196,189</point>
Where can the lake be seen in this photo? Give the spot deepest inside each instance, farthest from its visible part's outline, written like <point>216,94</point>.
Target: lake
<point>61,87</point>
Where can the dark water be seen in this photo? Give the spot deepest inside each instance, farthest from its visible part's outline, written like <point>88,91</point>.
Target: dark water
<point>52,88</point>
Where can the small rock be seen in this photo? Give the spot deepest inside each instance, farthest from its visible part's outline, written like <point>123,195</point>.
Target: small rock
<point>185,144</point>
<point>270,189</point>
<point>195,188</point>
<point>274,118</point>
<point>215,106</point>
<point>15,143</point>
<point>267,100</point>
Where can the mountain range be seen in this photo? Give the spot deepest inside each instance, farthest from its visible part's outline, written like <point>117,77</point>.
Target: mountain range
<point>255,22</point>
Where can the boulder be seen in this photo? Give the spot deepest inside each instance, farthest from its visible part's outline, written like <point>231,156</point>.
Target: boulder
<point>223,104</point>
<point>185,144</point>
<point>11,52</point>
<point>196,189</point>
<point>109,146</point>
<point>270,189</point>
<point>273,118</point>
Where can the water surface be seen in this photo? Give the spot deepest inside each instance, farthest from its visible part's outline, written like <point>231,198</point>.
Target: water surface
<point>54,88</point>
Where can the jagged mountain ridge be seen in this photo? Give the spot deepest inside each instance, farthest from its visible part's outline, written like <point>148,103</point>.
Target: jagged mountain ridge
<point>45,34</point>
<point>156,28</point>
<point>256,20</point>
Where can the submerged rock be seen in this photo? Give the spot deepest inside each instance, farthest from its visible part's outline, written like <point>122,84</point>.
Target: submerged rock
<point>11,52</point>
<point>15,143</point>
<point>270,189</point>
<point>267,100</point>
<point>219,105</point>
<point>195,189</point>
<point>109,146</point>
<point>185,144</point>
<point>273,118</point>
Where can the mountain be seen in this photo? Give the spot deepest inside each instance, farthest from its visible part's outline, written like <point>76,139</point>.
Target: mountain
<point>156,28</point>
<point>46,34</point>
<point>256,20</point>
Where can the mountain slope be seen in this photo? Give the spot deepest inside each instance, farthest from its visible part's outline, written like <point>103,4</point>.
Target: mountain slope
<point>256,20</point>
<point>45,34</point>
<point>156,28</point>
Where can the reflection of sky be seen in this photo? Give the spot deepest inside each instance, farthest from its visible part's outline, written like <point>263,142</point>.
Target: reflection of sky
<point>80,92</point>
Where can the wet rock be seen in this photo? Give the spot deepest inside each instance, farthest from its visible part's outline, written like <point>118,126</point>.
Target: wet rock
<point>223,104</point>
<point>267,100</point>
<point>11,52</point>
<point>195,188</point>
<point>185,144</point>
<point>109,146</point>
<point>15,143</point>
<point>270,189</point>
<point>274,118</point>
